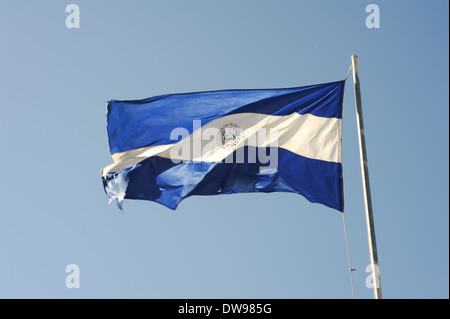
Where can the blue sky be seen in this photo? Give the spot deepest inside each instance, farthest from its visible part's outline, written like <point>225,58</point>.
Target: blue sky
<point>54,84</point>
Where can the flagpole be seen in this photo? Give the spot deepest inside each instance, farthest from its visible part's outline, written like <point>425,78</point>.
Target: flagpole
<point>377,294</point>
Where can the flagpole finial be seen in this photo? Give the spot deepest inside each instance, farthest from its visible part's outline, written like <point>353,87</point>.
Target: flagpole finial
<point>354,56</point>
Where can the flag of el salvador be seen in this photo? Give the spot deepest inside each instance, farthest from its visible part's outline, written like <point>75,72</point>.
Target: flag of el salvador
<point>169,147</point>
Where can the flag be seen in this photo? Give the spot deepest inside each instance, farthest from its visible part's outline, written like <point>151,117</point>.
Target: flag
<point>169,147</point>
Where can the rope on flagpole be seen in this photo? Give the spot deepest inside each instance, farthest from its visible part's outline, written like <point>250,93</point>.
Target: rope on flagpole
<point>343,217</point>
<point>348,257</point>
<point>348,72</point>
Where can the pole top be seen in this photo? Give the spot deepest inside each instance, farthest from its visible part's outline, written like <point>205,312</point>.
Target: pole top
<point>354,56</point>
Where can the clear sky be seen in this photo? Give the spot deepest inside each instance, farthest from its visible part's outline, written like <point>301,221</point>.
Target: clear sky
<point>54,85</point>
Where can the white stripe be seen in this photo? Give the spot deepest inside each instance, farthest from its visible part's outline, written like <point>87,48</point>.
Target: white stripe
<point>303,134</point>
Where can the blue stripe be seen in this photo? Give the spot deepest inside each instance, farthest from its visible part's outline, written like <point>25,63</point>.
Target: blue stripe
<point>149,122</point>
<point>159,179</point>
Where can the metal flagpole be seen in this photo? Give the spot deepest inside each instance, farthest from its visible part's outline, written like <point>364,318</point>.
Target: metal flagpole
<point>377,294</point>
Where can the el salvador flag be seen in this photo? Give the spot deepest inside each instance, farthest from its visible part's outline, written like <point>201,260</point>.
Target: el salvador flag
<point>170,147</point>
